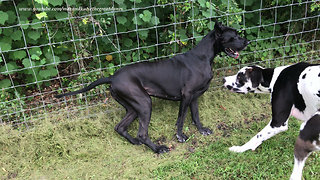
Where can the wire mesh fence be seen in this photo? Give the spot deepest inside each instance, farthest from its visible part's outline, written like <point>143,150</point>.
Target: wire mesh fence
<point>49,47</point>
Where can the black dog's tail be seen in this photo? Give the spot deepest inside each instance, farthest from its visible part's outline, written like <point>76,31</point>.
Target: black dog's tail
<point>92,85</point>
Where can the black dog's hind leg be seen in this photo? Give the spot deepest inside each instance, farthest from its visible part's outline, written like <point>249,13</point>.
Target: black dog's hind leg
<point>195,118</point>
<point>143,107</point>
<point>123,125</point>
<point>138,104</point>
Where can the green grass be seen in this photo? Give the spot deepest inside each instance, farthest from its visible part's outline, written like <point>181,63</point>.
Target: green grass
<point>88,148</point>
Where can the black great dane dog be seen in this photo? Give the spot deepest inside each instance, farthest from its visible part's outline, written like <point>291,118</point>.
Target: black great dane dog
<point>182,78</point>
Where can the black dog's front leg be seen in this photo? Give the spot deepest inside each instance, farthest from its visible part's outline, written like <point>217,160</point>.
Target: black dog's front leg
<point>185,102</point>
<point>195,118</point>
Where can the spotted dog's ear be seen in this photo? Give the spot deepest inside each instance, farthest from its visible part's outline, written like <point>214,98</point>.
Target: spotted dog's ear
<point>255,74</point>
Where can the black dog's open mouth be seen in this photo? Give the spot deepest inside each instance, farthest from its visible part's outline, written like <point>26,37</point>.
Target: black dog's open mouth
<point>232,53</point>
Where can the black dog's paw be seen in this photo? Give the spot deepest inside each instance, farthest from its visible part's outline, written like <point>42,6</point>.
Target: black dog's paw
<point>162,149</point>
<point>205,131</point>
<point>182,137</point>
<point>135,141</point>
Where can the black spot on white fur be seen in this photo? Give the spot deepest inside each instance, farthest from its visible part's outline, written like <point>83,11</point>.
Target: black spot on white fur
<point>241,79</point>
<point>304,76</point>
<point>259,135</point>
<point>311,130</point>
<point>287,84</point>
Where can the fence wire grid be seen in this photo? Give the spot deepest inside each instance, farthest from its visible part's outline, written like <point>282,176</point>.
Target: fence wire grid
<point>51,47</point>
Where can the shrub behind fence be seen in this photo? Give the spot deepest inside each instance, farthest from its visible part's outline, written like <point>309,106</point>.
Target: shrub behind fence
<point>49,47</point>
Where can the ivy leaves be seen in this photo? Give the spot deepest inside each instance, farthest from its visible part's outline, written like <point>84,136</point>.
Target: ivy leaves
<point>129,35</point>
<point>56,2</point>
<point>146,18</point>
<point>44,2</point>
<point>146,15</point>
<point>5,46</point>
<point>19,54</point>
<point>31,64</point>
<point>34,35</point>
<point>4,17</point>
<point>122,20</point>
<point>40,62</point>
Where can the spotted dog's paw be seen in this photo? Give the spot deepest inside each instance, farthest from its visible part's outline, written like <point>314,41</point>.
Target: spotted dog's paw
<point>238,149</point>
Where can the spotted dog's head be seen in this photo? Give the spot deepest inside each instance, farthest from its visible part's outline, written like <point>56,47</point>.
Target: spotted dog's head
<point>230,41</point>
<point>248,79</point>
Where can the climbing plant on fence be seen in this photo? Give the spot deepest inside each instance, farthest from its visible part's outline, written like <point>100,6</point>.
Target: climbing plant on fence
<point>50,46</point>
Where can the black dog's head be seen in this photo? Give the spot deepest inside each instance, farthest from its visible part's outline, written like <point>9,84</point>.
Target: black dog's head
<point>248,79</point>
<point>231,43</point>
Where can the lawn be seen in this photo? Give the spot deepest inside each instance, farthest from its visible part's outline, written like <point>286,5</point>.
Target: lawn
<point>74,147</point>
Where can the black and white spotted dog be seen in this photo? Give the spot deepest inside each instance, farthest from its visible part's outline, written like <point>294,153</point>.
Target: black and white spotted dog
<point>295,91</point>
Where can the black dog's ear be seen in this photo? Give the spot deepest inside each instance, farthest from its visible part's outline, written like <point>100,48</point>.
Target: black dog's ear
<point>255,74</point>
<point>218,27</point>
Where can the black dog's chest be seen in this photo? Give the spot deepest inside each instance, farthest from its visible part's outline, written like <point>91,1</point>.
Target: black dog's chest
<point>206,81</point>
<point>163,93</point>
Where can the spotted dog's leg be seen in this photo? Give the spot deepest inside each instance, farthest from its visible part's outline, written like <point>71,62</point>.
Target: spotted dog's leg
<point>307,142</point>
<point>281,109</point>
<point>266,133</point>
<point>298,167</point>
